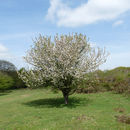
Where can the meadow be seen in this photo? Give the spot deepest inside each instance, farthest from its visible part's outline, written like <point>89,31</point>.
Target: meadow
<point>42,109</point>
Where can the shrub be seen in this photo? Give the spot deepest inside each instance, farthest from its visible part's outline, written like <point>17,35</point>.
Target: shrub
<point>91,84</point>
<point>6,81</point>
<point>18,83</point>
<point>117,80</point>
<point>120,80</point>
<point>9,76</point>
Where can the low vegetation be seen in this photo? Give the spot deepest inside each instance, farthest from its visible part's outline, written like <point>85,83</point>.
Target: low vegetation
<point>6,82</point>
<point>8,77</point>
<point>117,80</point>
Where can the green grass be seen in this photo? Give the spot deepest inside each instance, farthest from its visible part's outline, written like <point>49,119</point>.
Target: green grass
<point>41,109</point>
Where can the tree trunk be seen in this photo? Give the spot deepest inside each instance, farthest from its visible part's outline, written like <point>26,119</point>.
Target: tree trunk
<point>65,97</point>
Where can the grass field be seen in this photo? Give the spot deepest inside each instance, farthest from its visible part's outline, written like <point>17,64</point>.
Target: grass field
<point>41,109</point>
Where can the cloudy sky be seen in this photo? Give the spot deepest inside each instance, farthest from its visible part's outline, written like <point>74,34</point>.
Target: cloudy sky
<point>105,22</point>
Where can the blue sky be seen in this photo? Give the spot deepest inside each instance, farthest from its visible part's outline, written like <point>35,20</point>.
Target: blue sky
<point>105,22</point>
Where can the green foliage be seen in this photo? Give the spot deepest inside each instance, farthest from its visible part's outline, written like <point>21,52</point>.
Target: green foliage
<point>91,84</point>
<point>18,82</point>
<point>117,80</point>
<point>8,76</point>
<point>10,80</point>
<point>6,81</point>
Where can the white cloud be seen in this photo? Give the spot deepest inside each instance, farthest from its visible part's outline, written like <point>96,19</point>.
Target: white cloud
<point>117,23</point>
<point>16,35</point>
<point>4,53</point>
<point>87,13</point>
<point>2,48</point>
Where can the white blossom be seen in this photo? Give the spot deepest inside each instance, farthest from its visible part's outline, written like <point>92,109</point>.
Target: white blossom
<point>64,60</point>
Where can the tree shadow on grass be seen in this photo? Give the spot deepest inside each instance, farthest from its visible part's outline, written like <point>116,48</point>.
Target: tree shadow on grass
<point>58,102</point>
<point>6,92</point>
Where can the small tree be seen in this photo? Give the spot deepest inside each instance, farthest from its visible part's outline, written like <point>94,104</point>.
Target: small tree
<point>63,61</point>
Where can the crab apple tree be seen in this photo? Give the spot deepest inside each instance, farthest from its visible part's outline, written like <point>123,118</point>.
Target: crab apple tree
<point>63,61</point>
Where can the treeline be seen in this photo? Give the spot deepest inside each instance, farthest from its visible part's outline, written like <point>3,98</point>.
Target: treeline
<point>117,80</point>
<point>8,76</point>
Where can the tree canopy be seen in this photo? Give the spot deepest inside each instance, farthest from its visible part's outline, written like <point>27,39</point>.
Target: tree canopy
<point>64,61</point>
<point>6,66</point>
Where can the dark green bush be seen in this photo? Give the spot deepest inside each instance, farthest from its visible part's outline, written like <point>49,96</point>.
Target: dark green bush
<point>6,81</point>
<point>18,83</point>
<point>9,76</point>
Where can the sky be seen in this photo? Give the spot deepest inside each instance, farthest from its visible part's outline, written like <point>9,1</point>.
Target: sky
<point>105,22</point>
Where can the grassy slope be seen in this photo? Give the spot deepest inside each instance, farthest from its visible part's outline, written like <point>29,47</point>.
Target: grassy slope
<point>41,109</point>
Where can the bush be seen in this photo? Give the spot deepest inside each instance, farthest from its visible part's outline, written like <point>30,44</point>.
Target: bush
<point>91,84</point>
<point>117,80</point>
<point>120,80</point>
<point>18,83</point>
<point>6,81</point>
